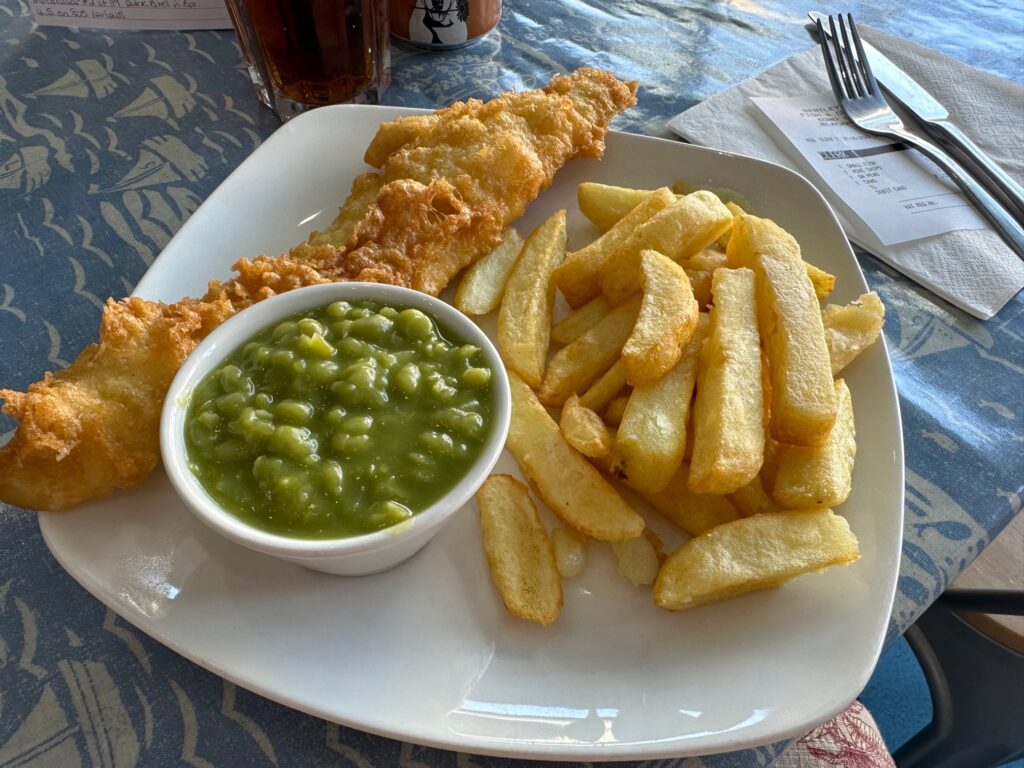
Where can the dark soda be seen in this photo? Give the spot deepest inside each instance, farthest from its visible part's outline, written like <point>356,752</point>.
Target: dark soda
<point>321,52</point>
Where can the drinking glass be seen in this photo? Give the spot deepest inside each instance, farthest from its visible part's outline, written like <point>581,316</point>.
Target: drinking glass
<point>302,54</point>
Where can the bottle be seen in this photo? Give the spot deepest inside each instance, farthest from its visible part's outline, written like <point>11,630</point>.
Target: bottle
<point>443,24</point>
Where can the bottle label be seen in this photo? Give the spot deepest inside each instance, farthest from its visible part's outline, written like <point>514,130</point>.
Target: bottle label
<point>443,23</point>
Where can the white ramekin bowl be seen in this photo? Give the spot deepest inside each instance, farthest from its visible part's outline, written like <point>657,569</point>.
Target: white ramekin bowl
<point>356,555</point>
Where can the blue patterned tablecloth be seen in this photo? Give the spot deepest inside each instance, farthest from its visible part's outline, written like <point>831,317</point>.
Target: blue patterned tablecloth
<point>108,141</point>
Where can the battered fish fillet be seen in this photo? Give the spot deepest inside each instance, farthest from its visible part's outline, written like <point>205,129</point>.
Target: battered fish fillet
<point>448,185</point>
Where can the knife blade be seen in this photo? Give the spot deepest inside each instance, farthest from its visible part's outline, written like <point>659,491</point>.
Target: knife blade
<point>914,98</point>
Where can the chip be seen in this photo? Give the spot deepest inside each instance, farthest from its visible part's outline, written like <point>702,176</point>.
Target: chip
<point>483,285</point>
<point>679,231</point>
<point>570,552</point>
<point>518,551</point>
<point>567,482</point>
<point>636,560</point>
<point>578,278</point>
<point>753,499</point>
<point>606,388</point>
<point>651,438</point>
<point>605,205</point>
<point>852,328</point>
<point>584,430</point>
<point>819,476</point>
<point>753,553</point>
<point>579,321</point>
<point>693,512</point>
<point>668,316</point>
<point>752,236</point>
<point>524,319</point>
<point>728,413</point>
<point>616,408</point>
<point>803,403</point>
<point>575,366</point>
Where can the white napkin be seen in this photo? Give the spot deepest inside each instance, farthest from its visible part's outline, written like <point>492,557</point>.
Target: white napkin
<point>972,269</point>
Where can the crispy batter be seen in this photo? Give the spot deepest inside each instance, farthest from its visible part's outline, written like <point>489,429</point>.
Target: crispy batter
<point>449,184</point>
<point>454,180</point>
<point>363,195</point>
<point>94,426</point>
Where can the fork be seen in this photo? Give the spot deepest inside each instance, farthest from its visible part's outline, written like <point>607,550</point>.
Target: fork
<point>859,96</point>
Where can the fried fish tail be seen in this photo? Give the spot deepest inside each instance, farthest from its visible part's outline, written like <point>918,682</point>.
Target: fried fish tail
<point>93,427</point>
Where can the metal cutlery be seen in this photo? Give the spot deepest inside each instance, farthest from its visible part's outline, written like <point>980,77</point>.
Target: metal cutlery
<point>859,96</point>
<point>934,118</point>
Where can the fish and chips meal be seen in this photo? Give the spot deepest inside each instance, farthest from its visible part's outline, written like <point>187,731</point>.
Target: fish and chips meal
<point>695,376</point>
<point>697,369</point>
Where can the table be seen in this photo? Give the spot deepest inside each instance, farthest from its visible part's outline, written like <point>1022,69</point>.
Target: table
<point>108,141</point>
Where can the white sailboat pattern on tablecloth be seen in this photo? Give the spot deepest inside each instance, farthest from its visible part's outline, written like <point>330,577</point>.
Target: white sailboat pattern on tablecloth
<point>164,99</point>
<point>162,160</point>
<point>87,78</point>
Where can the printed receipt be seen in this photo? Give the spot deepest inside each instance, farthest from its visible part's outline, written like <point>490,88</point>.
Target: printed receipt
<point>895,191</point>
<point>132,14</point>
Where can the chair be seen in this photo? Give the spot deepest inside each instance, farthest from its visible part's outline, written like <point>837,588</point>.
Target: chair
<point>973,662</point>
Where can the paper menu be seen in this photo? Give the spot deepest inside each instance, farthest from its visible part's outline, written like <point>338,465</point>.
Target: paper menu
<point>896,192</point>
<point>132,14</point>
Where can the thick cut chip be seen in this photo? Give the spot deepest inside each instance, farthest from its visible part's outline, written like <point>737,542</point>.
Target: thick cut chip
<point>651,438</point>
<point>728,413</point>
<point>699,269</point>
<point>606,388</point>
<point>715,203</point>
<point>636,560</point>
<point>518,551</point>
<point>771,463</point>
<point>822,281</point>
<point>579,276</point>
<point>752,237</point>
<point>753,553</point>
<point>700,284</point>
<point>693,512</point>
<point>822,475</point>
<point>753,499</point>
<point>707,260</point>
<point>615,410</point>
<point>803,402</point>
<point>584,429</point>
<point>852,328</point>
<point>575,366</point>
<point>579,321</point>
<point>735,210</point>
<point>679,231</point>
<point>524,320</point>
<point>567,482</point>
<point>668,316</point>
<point>657,544</point>
<point>605,205</point>
<point>483,285</point>
<point>570,552</point>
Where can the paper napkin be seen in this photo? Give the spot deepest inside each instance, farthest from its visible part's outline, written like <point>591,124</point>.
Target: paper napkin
<point>972,269</point>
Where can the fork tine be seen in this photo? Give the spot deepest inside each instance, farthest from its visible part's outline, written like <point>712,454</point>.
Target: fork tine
<point>851,63</point>
<point>865,66</point>
<point>837,48</point>
<point>830,65</point>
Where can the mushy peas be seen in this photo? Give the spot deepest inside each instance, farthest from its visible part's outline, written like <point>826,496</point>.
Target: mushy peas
<point>339,421</point>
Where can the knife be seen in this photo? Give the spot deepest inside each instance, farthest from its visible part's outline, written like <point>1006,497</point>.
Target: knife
<point>934,119</point>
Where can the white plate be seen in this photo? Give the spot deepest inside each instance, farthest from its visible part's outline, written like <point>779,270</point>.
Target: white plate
<point>425,653</point>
